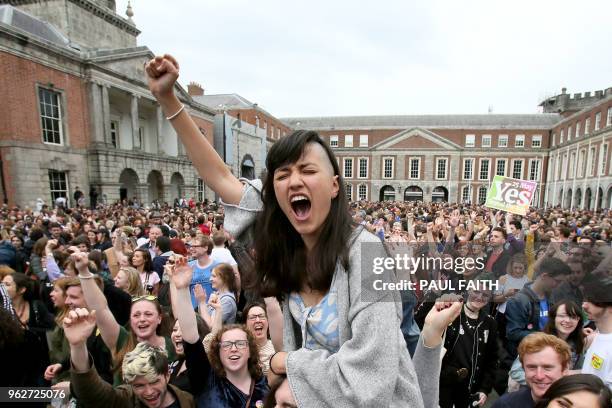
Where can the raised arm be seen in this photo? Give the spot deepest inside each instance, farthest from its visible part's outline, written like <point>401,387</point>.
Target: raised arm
<point>95,299</point>
<point>162,73</point>
<point>275,322</point>
<point>180,278</point>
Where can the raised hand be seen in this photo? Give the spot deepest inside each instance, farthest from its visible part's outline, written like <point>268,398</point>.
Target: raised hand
<point>200,293</point>
<point>81,262</point>
<point>444,312</point>
<point>214,302</point>
<point>52,371</point>
<point>78,326</point>
<point>181,273</point>
<point>162,73</point>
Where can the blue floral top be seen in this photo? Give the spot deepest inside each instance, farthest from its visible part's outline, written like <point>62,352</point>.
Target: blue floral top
<point>319,323</point>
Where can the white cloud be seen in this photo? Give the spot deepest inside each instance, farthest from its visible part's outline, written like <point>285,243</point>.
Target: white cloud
<point>340,57</point>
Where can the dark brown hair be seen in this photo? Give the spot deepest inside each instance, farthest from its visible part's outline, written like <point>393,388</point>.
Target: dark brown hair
<point>215,348</point>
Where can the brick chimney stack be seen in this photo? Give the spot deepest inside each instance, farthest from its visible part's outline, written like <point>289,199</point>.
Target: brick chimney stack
<point>195,89</point>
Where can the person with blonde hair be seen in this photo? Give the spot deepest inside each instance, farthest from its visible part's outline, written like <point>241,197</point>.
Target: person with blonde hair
<point>128,280</point>
<point>145,372</point>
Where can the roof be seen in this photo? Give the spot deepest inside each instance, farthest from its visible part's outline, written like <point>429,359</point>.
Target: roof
<point>21,20</point>
<point>225,101</point>
<point>524,121</point>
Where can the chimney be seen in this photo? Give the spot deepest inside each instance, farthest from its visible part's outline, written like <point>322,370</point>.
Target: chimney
<point>563,91</point>
<point>195,89</point>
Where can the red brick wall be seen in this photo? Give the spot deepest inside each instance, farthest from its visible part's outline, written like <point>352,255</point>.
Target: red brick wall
<point>207,126</point>
<point>18,91</point>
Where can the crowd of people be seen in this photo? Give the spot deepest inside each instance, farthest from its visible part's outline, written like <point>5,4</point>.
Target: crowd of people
<point>265,300</point>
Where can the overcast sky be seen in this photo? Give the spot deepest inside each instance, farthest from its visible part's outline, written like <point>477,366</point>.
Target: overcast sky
<point>340,57</point>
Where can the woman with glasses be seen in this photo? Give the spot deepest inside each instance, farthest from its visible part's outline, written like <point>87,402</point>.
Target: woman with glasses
<point>256,319</point>
<point>230,374</point>
<point>144,324</point>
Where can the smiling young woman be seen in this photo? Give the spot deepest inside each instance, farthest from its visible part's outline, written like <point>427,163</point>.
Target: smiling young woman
<point>309,256</point>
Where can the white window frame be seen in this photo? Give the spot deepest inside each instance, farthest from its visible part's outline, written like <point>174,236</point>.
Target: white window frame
<point>488,139</point>
<point>410,159</point>
<point>582,154</point>
<point>363,140</point>
<point>505,161</point>
<point>392,167</point>
<point>592,161</point>
<point>52,182</point>
<point>472,160</point>
<point>562,136</point>
<point>57,121</point>
<point>522,161</point>
<point>200,189</point>
<point>577,130</point>
<point>597,121</point>
<point>115,132</point>
<point>344,161</point>
<point>438,161</point>
<point>569,133</point>
<point>481,198</point>
<point>520,138</point>
<point>538,139</point>
<point>348,140</point>
<point>572,165</point>
<point>367,161</point>
<point>348,189</point>
<point>481,161</point>
<point>564,165</point>
<point>538,170</point>
<point>359,196</point>
<point>502,141</point>
<point>470,140</point>
<point>603,154</point>
<point>467,199</point>
<point>609,117</point>
<point>333,141</point>
<point>553,142</point>
<point>587,126</point>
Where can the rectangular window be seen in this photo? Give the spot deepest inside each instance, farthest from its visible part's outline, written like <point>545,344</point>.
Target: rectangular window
<point>484,169</point>
<point>441,169</point>
<point>333,141</point>
<point>200,190</point>
<point>561,136</point>
<point>466,194</point>
<point>587,126</point>
<point>603,159</point>
<point>569,133</point>
<point>141,138</point>
<point>500,168</point>
<point>577,129</point>
<point>519,141</point>
<point>534,170</point>
<point>572,165</point>
<point>502,141</point>
<point>348,141</point>
<point>562,168</point>
<point>388,164</point>
<point>517,169</point>
<point>348,167</point>
<point>58,185</point>
<point>486,140</point>
<point>554,139</point>
<point>609,117</point>
<point>536,141</point>
<point>50,116</point>
<point>363,167</point>
<point>349,191</point>
<point>468,169</point>
<point>482,195</point>
<point>470,140</point>
<point>363,140</point>
<point>362,192</point>
<point>114,132</point>
<point>415,168</point>
<point>597,121</point>
<point>592,161</point>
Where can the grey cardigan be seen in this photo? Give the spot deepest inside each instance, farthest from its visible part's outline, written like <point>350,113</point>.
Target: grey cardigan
<point>373,367</point>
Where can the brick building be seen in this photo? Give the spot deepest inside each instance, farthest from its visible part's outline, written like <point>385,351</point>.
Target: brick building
<point>78,112</point>
<point>454,157</point>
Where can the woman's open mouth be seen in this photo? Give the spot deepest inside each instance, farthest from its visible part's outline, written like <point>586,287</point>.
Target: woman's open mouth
<point>300,204</point>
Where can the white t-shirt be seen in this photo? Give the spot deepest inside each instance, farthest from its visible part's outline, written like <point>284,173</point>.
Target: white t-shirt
<point>153,279</point>
<point>598,358</point>
<point>223,255</point>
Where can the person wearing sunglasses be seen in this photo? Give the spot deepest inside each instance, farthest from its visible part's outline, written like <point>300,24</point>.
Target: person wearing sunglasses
<point>144,324</point>
<point>230,375</point>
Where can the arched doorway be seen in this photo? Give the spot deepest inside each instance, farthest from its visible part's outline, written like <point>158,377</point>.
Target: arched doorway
<point>600,194</point>
<point>578,198</point>
<point>128,180</point>
<point>387,193</point>
<point>413,193</point>
<point>568,198</point>
<point>560,198</point>
<point>247,167</point>
<point>587,198</point>
<point>609,198</point>
<point>439,194</point>
<point>177,186</point>
<point>156,186</point>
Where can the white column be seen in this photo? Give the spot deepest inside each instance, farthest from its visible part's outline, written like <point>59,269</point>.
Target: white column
<point>135,123</point>
<point>106,113</point>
